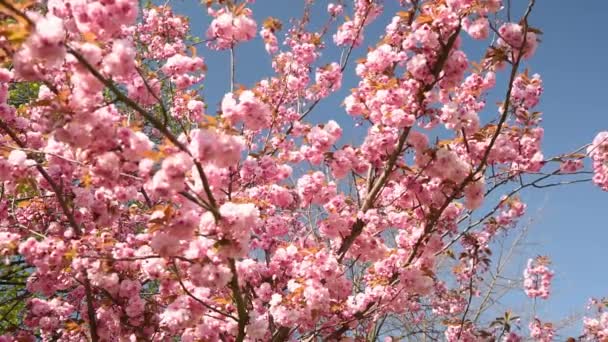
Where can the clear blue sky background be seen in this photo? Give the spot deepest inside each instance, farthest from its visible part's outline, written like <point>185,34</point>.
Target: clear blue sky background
<point>570,223</point>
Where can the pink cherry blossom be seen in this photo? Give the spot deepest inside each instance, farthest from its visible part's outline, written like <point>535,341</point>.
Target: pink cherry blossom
<point>537,279</point>
<point>136,205</point>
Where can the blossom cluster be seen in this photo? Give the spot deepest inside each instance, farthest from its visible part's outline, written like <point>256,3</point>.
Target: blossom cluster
<point>140,210</point>
<point>537,278</point>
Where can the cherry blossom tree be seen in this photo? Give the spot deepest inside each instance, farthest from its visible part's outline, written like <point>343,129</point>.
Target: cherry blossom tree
<point>133,210</point>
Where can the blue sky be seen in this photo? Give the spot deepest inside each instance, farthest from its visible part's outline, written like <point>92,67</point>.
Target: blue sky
<point>570,223</point>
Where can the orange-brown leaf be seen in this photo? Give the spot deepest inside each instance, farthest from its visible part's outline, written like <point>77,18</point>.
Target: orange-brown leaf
<point>72,326</point>
<point>272,24</point>
<point>404,14</point>
<point>424,19</point>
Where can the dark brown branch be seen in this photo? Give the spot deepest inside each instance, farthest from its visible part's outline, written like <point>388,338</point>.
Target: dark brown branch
<point>379,184</point>
<point>481,167</point>
<point>198,300</point>
<point>154,121</point>
<point>240,303</point>
<point>69,214</point>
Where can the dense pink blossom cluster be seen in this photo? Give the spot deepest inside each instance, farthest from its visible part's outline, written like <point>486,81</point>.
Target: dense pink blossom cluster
<point>598,151</point>
<point>271,43</point>
<point>142,215</point>
<point>517,41</point>
<point>229,28</point>
<point>596,326</point>
<point>537,278</point>
<point>541,332</point>
<point>329,79</point>
<point>250,110</point>
<point>161,32</point>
